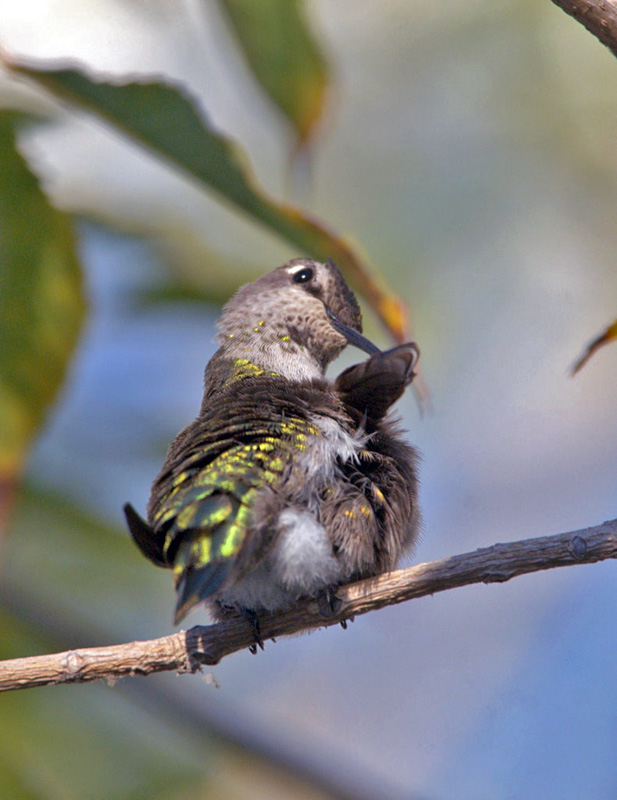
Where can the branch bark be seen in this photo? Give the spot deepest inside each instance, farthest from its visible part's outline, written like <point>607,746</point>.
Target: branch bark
<point>598,16</point>
<point>188,651</point>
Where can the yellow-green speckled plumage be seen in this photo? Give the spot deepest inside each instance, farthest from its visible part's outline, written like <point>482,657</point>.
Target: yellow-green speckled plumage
<point>286,483</point>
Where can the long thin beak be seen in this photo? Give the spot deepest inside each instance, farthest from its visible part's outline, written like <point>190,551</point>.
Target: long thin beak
<point>353,337</point>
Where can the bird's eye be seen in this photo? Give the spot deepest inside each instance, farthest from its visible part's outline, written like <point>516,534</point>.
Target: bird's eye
<point>304,275</point>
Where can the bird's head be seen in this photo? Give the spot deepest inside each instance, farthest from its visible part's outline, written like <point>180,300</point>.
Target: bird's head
<point>297,318</point>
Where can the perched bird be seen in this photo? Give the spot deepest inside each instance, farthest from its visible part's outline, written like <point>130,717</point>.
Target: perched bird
<point>286,485</point>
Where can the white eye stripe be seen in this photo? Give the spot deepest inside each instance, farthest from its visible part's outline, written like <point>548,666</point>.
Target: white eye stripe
<point>297,268</point>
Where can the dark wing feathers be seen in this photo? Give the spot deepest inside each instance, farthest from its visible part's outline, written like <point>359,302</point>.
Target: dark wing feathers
<point>372,386</point>
<point>200,507</point>
<point>242,443</point>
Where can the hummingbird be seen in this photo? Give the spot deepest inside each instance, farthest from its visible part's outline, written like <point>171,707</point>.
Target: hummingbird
<point>287,484</point>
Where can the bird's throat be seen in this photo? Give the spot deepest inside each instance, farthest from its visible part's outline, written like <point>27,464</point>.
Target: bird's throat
<point>272,355</point>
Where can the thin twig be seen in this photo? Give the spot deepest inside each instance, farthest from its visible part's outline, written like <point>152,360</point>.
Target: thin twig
<point>187,651</point>
<point>598,16</point>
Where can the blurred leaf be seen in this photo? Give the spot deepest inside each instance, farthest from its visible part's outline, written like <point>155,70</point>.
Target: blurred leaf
<point>284,56</point>
<point>41,303</point>
<point>93,575</point>
<point>70,742</point>
<point>12,786</point>
<point>184,252</point>
<point>604,338</point>
<point>162,118</point>
<point>175,292</point>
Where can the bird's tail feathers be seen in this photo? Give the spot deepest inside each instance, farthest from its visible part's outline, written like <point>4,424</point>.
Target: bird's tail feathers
<point>195,581</point>
<point>145,537</point>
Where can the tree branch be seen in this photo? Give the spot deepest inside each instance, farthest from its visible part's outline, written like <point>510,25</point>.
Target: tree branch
<point>187,651</point>
<point>598,16</point>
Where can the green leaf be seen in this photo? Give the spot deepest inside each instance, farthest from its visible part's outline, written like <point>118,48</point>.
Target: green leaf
<point>284,57</point>
<point>41,302</point>
<point>162,118</point>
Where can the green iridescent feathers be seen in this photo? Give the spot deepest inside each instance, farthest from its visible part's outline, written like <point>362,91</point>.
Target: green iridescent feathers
<point>203,498</point>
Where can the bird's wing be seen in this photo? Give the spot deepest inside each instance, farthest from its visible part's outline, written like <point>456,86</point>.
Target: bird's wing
<point>203,503</point>
<point>374,385</point>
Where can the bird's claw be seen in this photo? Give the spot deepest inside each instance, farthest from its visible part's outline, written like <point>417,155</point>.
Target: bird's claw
<point>329,603</point>
<point>251,617</point>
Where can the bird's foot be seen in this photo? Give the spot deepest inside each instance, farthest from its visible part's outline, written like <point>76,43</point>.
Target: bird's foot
<point>329,603</point>
<point>253,619</point>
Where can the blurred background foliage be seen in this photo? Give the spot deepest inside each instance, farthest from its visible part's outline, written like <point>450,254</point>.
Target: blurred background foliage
<point>155,156</point>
